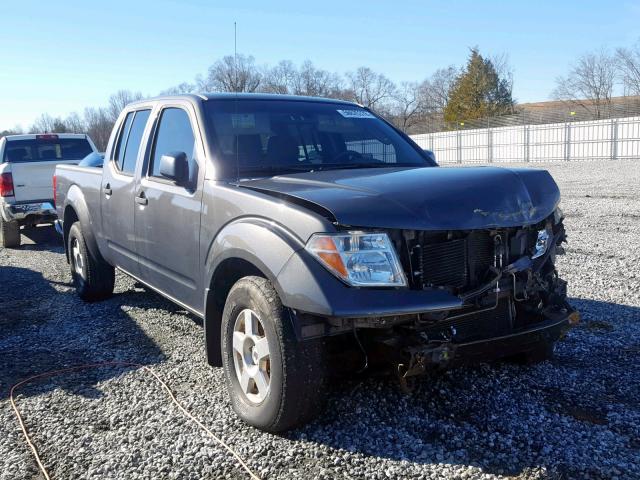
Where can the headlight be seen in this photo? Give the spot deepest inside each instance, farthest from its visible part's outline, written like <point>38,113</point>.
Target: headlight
<point>542,244</point>
<point>359,259</point>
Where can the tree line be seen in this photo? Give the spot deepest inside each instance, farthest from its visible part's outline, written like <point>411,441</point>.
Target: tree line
<point>596,77</point>
<point>481,88</point>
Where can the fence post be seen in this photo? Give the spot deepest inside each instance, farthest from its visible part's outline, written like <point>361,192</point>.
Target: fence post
<point>489,145</point>
<point>526,143</point>
<point>431,142</point>
<point>614,139</point>
<point>458,146</point>
<point>567,142</point>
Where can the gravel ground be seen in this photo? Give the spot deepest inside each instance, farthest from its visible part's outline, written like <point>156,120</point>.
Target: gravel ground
<point>577,416</point>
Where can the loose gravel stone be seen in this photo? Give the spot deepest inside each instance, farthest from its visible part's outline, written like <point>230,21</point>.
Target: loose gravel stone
<point>577,416</point>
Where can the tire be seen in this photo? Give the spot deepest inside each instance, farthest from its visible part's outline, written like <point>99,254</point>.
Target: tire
<point>9,234</point>
<point>294,370</point>
<point>541,353</point>
<point>93,277</point>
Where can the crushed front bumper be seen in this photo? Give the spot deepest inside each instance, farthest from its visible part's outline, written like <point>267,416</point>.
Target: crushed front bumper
<point>29,212</point>
<point>418,358</point>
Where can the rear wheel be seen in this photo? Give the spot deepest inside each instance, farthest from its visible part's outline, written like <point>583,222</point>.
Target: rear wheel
<point>275,382</point>
<point>9,233</point>
<point>93,278</point>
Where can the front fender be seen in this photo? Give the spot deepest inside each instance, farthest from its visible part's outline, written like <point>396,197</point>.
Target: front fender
<point>263,243</point>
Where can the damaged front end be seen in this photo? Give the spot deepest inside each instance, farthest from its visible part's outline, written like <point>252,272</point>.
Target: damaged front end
<point>512,300</point>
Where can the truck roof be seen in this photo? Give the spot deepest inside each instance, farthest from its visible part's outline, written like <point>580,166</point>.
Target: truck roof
<point>32,136</point>
<point>246,96</point>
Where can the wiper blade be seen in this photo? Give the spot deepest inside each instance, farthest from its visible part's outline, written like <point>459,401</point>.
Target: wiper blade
<point>316,167</point>
<point>360,165</point>
<point>274,170</point>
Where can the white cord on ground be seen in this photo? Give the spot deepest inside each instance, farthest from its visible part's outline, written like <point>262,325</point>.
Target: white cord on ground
<point>115,364</point>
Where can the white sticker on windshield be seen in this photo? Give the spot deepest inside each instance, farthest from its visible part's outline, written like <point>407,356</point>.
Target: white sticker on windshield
<point>243,120</point>
<point>356,114</point>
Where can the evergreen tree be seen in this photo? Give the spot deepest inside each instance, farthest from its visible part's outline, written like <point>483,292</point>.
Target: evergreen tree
<point>478,92</point>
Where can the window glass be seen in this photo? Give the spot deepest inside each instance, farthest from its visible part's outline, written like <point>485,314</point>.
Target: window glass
<point>42,150</point>
<point>272,136</point>
<point>174,135</point>
<point>94,159</point>
<point>134,140</point>
<point>122,140</point>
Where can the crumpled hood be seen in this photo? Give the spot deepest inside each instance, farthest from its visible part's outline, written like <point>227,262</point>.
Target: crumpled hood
<point>427,198</point>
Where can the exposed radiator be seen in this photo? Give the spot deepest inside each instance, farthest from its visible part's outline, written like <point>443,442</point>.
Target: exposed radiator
<point>458,263</point>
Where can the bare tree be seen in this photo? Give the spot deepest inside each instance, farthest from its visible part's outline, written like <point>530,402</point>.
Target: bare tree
<point>98,125</point>
<point>17,130</point>
<point>45,123</point>
<point>504,70</point>
<point>286,78</point>
<point>369,88</point>
<point>408,105</point>
<point>74,124</point>
<point>279,79</point>
<point>184,87</point>
<point>589,84</point>
<point>121,99</point>
<point>231,74</point>
<point>435,90</point>
<point>628,60</point>
<point>316,82</point>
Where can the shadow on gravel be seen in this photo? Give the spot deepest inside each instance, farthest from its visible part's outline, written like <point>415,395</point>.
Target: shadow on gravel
<point>43,329</point>
<point>41,237</point>
<point>505,418</point>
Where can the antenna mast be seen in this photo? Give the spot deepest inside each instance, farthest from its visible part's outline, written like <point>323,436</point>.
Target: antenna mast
<point>235,54</point>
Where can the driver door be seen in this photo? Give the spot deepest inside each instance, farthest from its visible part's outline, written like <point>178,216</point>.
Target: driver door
<point>167,216</point>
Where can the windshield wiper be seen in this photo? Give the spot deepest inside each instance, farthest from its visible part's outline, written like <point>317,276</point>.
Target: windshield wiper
<point>340,166</point>
<point>284,169</point>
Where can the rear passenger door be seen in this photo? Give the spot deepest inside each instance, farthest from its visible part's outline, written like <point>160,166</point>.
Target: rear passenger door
<point>118,192</point>
<point>167,216</point>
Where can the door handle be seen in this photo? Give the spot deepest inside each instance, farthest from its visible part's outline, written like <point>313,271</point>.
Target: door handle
<point>141,199</point>
<point>107,189</point>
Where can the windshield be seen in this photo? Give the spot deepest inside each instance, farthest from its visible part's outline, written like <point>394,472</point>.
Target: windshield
<point>279,136</point>
<point>46,149</point>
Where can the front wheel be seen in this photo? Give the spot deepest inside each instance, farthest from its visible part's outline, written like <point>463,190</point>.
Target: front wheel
<point>93,277</point>
<point>275,382</point>
<point>541,353</point>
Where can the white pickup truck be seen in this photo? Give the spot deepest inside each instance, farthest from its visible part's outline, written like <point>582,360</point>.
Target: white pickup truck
<point>27,165</point>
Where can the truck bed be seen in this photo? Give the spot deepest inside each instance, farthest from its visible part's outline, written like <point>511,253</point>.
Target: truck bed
<point>85,182</point>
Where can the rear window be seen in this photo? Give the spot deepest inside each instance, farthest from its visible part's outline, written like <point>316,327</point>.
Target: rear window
<point>44,150</point>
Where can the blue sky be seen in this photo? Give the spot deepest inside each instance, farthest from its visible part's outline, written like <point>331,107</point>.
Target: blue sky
<point>61,56</point>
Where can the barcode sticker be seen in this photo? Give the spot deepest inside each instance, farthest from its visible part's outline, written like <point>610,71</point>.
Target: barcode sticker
<point>356,114</point>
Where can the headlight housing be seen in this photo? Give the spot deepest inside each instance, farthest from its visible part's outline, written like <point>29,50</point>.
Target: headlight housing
<point>542,244</point>
<point>359,259</point>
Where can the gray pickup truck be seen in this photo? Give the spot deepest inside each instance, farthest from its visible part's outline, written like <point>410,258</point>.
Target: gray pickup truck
<point>310,233</point>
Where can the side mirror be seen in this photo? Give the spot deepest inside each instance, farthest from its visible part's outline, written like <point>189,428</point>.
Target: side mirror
<point>429,154</point>
<point>174,166</point>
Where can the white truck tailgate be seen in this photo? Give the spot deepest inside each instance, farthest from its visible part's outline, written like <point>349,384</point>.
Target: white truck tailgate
<point>34,180</point>
<point>32,161</point>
